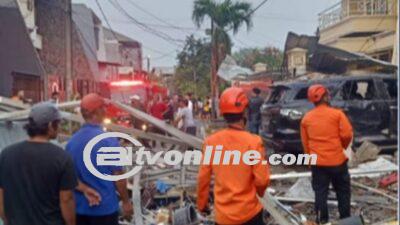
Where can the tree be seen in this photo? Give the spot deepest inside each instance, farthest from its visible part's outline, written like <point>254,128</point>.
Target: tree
<point>271,56</point>
<point>193,70</point>
<point>224,16</point>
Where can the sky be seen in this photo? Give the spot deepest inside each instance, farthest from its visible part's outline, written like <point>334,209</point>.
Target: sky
<point>171,19</point>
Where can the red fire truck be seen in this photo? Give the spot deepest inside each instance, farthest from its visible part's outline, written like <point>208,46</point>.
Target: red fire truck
<point>123,90</point>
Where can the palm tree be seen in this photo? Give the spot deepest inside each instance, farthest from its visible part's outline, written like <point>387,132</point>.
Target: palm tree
<point>225,16</point>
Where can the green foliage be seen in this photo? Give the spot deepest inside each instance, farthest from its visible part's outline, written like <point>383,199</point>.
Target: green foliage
<point>227,15</point>
<point>193,70</point>
<point>247,57</point>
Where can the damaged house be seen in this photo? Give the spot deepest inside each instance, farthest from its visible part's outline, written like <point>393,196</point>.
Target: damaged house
<point>304,55</point>
<point>364,87</point>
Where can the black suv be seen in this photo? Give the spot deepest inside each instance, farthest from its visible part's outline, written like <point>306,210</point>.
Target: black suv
<point>370,102</point>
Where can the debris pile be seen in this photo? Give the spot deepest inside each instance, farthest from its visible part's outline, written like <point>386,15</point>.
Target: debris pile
<point>163,194</point>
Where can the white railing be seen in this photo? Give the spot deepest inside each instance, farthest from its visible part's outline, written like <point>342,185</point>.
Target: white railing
<point>346,8</point>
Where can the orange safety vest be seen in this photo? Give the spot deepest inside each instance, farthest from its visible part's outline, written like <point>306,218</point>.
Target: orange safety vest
<point>326,132</point>
<point>235,186</point>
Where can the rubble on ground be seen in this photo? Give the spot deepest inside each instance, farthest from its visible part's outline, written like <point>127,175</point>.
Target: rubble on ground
<point>163,192</point>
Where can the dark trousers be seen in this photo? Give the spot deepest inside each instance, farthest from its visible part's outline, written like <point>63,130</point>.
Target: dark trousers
<point>191,130</point>
<point>111,219</point>
<point>254,126</point>
<point>256,220</point>
<point>322,176</point>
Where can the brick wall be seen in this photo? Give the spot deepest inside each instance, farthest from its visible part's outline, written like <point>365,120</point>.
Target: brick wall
<point>51,22</point>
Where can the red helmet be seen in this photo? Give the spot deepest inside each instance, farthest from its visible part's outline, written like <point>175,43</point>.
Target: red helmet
<point>92,101</point>
<point>316,92</point>
<point>233,100</point>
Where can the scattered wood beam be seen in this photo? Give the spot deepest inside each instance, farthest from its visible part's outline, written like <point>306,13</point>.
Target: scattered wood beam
<point>188,139</point>
<point>373,190</point>
<point>308,174</point>
<point>136,199</point>
<point>269,204</point>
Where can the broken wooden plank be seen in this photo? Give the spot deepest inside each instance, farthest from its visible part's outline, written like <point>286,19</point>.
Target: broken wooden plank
<point>188,139</point>
<point>308,174</point>
<point>12,104</point>
<point>20,114</point>
<point>270,205</point>
<point>373,190</point>
<point>136,132</point>
<point>136,199</point>
<point>310,200</point>
<point>145,135</point>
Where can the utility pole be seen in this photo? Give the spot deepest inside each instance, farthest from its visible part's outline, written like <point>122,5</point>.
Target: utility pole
<point>213,80</point>
<point>68,52</point>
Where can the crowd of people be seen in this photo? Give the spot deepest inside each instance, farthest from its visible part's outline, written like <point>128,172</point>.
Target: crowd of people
<point>180,111</point>
<point>40,183</point>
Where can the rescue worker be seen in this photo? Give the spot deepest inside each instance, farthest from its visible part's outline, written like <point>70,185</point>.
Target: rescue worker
<point>326,132</point>
<point>97,201</point>
<point>236,186</point>
<point>254,113</point>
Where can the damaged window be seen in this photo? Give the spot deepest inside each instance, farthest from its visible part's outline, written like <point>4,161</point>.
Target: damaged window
<point>302,94</point>
<point>391,87</point>
<point>277,94</point>
<point>358,90</point>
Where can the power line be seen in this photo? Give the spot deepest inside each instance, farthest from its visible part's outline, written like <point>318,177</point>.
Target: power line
<point>152,15</point>
<point>284,19</point>
<point>86,42</point>
<point>146,28</point>
<point>163,56</point>
<point>144,46</point>
<point>113,32</point>
<point>105,18</point>
<point>162,26</point>
<point>366,41</point>
<point>241,42</point>
<point>259,6</point>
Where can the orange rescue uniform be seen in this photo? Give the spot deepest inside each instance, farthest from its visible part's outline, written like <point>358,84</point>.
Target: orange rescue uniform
<point>326,132</point>
<point>235,186</point>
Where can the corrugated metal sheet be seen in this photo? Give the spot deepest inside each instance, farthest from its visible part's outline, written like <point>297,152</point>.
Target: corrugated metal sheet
<point>11,132</point>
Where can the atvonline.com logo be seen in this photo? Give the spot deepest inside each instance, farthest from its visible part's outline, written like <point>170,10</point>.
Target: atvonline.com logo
<point>213,155</point>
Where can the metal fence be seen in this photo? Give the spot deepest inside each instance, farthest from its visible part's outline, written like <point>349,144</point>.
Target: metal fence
<point>348,8</point>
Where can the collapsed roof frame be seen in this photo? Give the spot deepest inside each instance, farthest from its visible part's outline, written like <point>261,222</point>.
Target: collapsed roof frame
<point>15,110</point>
